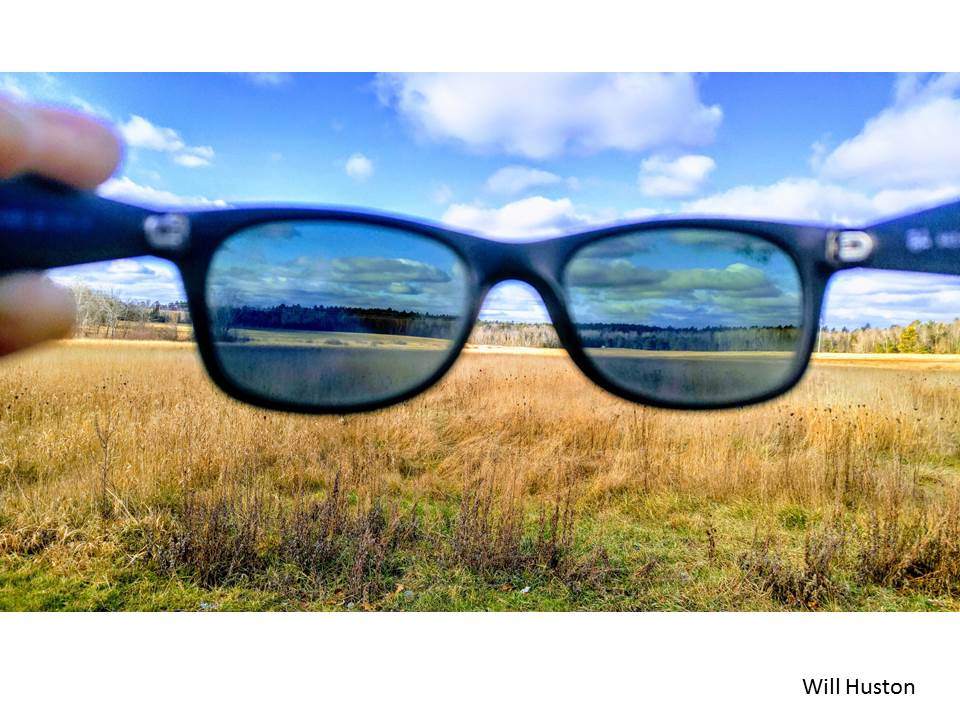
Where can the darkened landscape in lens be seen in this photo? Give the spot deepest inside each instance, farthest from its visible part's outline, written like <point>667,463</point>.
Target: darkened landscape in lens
<point>387,321</point>
<point>341,355</point>
<point>383,321</point>
<point>708,339</point>
<point>330,355</point>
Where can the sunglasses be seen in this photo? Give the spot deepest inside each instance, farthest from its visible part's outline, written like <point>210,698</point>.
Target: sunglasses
<point>324,310</point>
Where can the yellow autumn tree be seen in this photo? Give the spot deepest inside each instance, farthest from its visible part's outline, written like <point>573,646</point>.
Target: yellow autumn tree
<point>909,341</point>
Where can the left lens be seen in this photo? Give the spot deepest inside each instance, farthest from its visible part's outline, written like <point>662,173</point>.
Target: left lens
<point>332,313</point>
<point>688,316</point>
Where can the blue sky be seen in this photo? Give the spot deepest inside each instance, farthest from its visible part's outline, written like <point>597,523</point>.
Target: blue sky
<point>524,156</point>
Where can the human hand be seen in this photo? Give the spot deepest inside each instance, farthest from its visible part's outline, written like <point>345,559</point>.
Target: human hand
<point>61,145</point>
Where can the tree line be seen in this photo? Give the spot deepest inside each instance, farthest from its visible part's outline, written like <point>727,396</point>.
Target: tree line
<point>101,314</point>
<point>321,318</point>
<point>917,337</point>
<point>639,337</point>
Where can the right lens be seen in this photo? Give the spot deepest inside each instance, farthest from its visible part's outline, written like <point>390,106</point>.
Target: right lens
<point>334,313</point>
<point>688,316</point>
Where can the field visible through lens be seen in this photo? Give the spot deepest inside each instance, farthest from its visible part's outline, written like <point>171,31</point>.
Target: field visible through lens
<point>127,481</point>
<point>333,313</point>
<point>690,316</point>
<point>347,366</point>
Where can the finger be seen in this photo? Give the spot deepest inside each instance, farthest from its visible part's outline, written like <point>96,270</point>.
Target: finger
<point>33,309</point>
<point>58,144</point>
<point>14,139</point>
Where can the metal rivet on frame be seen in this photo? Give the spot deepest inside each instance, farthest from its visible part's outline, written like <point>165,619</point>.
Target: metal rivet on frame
<point>851,246</point>
<point>167,232</point>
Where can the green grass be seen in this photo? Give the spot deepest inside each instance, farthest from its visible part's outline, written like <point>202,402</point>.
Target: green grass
<point>659,549</point>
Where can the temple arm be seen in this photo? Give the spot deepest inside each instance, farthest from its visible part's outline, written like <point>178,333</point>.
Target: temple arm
<point>927,241</point>
<point>45,225</point>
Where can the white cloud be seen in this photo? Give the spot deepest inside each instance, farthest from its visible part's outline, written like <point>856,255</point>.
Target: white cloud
<point>891,202</point>
<point>545,115</point>
<point>856,297</point>
<point>126,190</point>
<point>191,161</point>
<point>906,157</point>
<point>359,166</point>
<point>528,218</point>
<point>641,213</point>
<point>815,200</point>
<point>514,179</point>
<point>142,278</point>
<point>913,143</point>
<point>268,79</point>
<point>514,301</point>
<point>195,157</point>
<point>680,177</point>
<point>138,132</point>
<point>788,199</point>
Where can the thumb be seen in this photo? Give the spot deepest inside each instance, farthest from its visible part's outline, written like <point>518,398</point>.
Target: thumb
<point>33,309</point>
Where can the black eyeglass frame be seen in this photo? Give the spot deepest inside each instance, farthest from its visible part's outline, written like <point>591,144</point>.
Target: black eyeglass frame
<point>44,225</point>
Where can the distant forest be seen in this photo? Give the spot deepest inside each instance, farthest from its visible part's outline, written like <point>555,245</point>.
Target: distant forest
<point>638,337</point>
<point>320,318</point>
<point>917,337</point>
<point>104,315</point>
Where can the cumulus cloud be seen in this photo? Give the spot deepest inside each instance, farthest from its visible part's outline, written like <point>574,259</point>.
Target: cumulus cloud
<point>196,157</point>
<point>813,199</point>
<point>619,272</point>
<point>138,132</point>
<point>514,301</point>
<point>379,270</point>
<point>732,293</point>
<point>514,179</point>
<point>680,177</point>
<point>527,218</point>
<point>150,279</point>
<point>359,166</point>
<point>905,157</point>
<point>856,297</point>
<point>246,274</point>
<point>788,199</point>
<point>126,190</point>
<point>913,143</point>
<point>545,115</point>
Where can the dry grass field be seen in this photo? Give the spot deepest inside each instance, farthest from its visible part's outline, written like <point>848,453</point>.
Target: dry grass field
<point>127,481</point>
